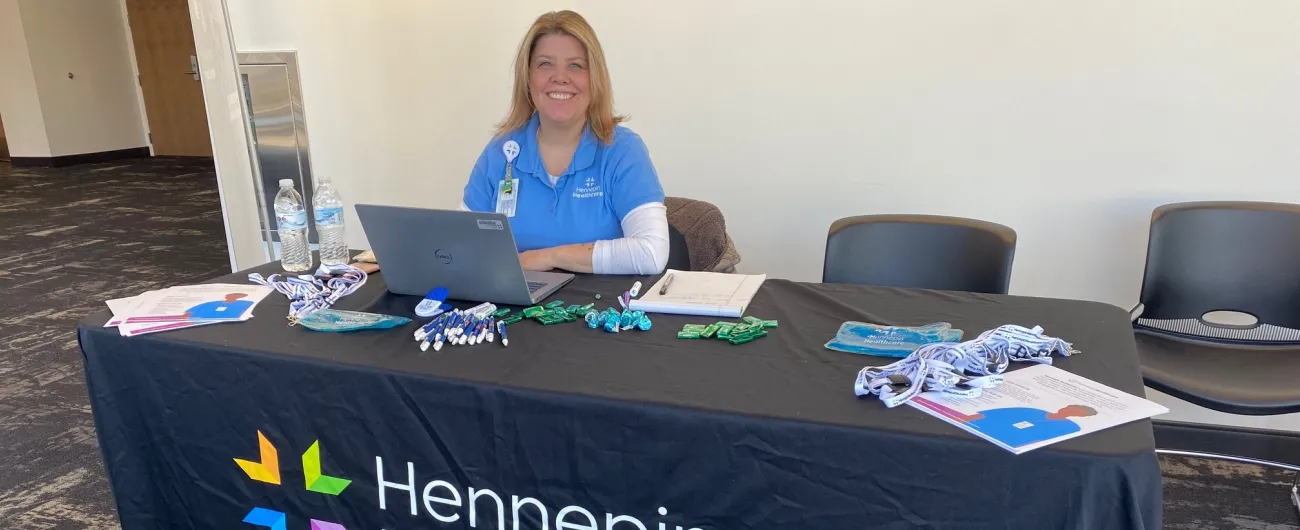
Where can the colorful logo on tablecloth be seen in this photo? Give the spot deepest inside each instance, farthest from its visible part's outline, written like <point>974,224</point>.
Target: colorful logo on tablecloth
<point>267,469</point>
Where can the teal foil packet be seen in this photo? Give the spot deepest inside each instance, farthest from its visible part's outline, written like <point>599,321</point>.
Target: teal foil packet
<point>890,341</point>
<point>336,320</point>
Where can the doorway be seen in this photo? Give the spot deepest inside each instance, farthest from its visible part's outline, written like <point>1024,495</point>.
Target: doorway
<point>4,145</point>
<point>169,78</point>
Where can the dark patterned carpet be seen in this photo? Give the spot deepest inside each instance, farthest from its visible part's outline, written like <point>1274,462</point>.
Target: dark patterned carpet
<point>73,237</point>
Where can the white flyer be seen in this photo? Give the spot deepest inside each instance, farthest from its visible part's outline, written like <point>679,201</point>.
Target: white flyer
<point>120,307</point>
<point>193,303</point>
<point>1037,406</point>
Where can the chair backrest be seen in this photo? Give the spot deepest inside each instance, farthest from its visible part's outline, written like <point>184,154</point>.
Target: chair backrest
<point>697,236</point>
<point>679,257</point>
<point>1224,256</point>
<point>923,251</point>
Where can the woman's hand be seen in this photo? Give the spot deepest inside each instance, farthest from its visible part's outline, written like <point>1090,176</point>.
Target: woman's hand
<point>537,260</point>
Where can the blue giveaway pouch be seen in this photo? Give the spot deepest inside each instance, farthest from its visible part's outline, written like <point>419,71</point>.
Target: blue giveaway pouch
<point>336,320</point>
<point>890,341</point>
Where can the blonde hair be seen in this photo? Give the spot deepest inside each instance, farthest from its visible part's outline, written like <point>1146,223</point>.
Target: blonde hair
<point>600,112</point>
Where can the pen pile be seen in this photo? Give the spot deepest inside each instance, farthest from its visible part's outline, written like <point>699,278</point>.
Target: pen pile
<point>473,326</point>
<point>750,329</point>
<point>483,322</point>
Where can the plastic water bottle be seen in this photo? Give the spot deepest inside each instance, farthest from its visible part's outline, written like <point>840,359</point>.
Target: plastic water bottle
<point>291,220</point>
<point>328,206</point>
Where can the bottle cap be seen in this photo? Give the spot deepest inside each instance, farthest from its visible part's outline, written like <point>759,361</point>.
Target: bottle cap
<point>286,183</point>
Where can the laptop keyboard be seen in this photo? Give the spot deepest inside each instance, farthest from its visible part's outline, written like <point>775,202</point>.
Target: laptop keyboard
<point>534,286</point>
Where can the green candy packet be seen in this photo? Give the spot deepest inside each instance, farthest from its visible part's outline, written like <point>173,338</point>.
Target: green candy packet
<point>749,330</point>
<point>710,331</point>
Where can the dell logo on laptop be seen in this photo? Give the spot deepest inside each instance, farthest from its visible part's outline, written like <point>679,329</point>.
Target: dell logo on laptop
<point>442,256</point>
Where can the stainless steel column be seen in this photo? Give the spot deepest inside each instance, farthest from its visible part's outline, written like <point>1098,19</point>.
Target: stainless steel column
<point>274,95</point>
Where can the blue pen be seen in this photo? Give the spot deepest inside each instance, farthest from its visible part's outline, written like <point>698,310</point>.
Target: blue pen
<point>436,323</point>
<point>428,334</point>
<point>501,328</point>
<point>439,321</point>
<point>424,330</point>
<point>467,332</point>
<point>445,327</point>
<point>441,329</point>
<point>477,333</point>
<point>457,322</point>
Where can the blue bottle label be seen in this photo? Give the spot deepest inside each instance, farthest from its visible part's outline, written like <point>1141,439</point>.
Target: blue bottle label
<point>292,221</point>
<point>328,216</point>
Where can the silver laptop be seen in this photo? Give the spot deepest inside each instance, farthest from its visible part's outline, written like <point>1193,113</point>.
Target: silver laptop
<point>472,254</point>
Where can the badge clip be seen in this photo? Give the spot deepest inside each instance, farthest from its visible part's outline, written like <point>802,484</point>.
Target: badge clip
<point>511,150</point>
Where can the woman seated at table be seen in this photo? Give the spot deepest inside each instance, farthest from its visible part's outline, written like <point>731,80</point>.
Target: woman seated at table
<point>579,188</point>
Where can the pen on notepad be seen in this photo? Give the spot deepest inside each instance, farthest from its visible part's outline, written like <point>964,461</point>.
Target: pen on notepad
<point>667,281</point>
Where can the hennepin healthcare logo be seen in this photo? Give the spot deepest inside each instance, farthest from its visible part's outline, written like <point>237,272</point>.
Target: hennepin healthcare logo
<point>268,470</point>
<point>438,492</point>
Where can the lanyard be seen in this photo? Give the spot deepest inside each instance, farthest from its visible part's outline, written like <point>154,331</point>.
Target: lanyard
<point>308,293</point>
<point>963,369</point>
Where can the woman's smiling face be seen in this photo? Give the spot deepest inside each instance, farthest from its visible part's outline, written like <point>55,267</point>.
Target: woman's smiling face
<point>559,79</point>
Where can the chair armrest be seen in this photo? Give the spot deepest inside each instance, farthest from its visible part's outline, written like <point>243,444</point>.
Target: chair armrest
<point>1136,312</point>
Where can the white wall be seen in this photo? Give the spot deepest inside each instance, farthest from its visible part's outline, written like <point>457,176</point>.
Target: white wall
<point>1068,121</point>
<point>48,114</point>
<point>98,109</point>
<point>19,102</point>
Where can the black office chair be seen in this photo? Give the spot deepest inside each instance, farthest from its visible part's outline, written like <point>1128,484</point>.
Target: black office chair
<point>925,251</point>
<point>679,257</point>
<point>1218,321</point>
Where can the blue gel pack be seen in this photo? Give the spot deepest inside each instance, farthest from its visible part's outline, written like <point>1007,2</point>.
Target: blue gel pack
<point>335,320</point>
<point>890,341</point>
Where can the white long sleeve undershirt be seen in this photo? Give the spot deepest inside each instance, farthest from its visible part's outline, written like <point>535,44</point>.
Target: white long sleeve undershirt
<point>642,250</point>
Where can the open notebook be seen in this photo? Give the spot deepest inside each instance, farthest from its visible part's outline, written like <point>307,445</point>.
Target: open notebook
<point>701,293</point>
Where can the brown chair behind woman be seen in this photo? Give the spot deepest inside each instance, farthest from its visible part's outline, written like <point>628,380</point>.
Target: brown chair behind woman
<point>697,237</point>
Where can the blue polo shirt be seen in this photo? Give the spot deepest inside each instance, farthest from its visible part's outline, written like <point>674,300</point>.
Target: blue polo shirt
<point>601,186</point>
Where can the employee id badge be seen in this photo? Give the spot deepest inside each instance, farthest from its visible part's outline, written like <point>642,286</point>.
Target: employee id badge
<point>507,195</point>
<point>508,190</point>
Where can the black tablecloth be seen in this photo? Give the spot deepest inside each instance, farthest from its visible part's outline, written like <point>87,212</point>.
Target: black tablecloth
<point>573,421</point>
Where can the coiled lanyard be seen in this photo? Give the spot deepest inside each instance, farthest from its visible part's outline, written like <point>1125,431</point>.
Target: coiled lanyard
<point>963,369</point>
<point>308,293</point>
